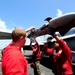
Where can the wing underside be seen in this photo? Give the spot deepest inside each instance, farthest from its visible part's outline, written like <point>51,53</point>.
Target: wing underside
<point>5,35</point>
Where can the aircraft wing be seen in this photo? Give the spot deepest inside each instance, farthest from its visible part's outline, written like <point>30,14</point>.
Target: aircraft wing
<point>62,24</point>
<point>65,28</point>
<point>5,35</point>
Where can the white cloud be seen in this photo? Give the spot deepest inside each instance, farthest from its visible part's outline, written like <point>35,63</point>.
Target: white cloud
<point>59,12</point>
<point>3,26</point>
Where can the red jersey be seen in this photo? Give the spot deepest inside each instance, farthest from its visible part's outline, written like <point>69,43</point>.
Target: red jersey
<point>36,54</point>
<point>48,50</point>
<point>63,61</point>
<point>13,61</point>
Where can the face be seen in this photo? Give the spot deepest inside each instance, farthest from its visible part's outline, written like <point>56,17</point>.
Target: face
<point>35,46</point>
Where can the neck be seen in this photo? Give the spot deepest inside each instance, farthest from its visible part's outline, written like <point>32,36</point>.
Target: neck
<point>16,44</point>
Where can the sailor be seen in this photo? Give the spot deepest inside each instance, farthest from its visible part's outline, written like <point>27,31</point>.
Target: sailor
<point>13,61</point>
<point>62,57</point>
<point>36,56</point>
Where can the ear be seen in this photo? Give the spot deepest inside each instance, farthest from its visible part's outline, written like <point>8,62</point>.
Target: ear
<point>21,37</point>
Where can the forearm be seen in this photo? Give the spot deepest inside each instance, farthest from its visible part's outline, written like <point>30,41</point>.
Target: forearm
<point>32,47</point>
<point>56,37</point>
<point>66,49</point>
<point>58,53</point>
<point>37,44</point>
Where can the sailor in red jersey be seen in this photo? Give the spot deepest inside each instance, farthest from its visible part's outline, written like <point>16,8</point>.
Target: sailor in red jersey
<point>36,56</point>
<point>48,50</point>
<point>13,61</point>
<point>62,57</point>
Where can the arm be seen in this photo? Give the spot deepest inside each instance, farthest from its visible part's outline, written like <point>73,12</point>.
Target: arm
<point>58,53</point>
<point>38,52</point>
<point>56,37</point>
<point>37,43</point>
<point>65,48</point>
<point>30,29</point>
<point>38,46</point>
<point>31,45</point>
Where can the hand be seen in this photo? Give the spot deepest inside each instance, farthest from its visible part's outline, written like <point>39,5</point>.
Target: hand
<point>32,39</point>
<point>53,34</point>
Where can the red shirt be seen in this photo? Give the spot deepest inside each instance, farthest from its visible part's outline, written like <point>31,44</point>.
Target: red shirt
<point>48,50</point>
<point>36,54</point>
<point>63,61</point>
<point>14,62</point>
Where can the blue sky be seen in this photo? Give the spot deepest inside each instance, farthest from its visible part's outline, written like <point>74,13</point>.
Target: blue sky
<point>27,13</point>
